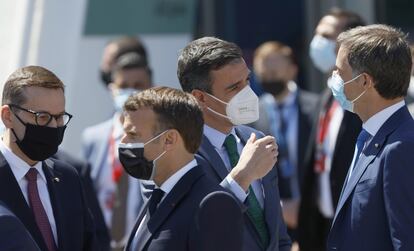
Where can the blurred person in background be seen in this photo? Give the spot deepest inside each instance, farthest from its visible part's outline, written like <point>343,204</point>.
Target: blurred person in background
<point>116,48</point>
<point>286,112</point>
<point>119,195</point>
<point>333,139</point>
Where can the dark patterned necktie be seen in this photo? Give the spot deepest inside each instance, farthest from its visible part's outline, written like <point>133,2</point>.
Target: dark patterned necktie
<point>38,210</point>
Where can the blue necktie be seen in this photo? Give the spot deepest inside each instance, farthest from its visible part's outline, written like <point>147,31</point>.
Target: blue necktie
<point>362,138</point>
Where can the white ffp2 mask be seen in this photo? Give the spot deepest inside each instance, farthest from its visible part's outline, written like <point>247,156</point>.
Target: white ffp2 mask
<point>242,109</point>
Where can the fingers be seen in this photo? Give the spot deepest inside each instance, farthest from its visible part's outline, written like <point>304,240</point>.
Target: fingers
<point>266,140</point>
<point>252,138</point>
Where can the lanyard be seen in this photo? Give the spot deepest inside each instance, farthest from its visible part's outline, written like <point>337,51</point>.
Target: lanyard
<point>117,169</point>
<point>323,128</point>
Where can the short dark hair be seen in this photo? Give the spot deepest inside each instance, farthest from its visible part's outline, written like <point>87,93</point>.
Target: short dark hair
<point>174,109</point>
<point>383,52</point>
<point>275,47</point>
<point>200,57</point>
<point>19,80</point>
<point>127,44</point>
<point>351,19</point>
<point>131,60</point>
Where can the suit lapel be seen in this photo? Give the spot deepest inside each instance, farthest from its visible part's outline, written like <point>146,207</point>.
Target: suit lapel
<point>54,185</point>
<point>137,223</point>
<point>12,196</point>
<point>370,152</point>
<point>168,205</point>
<point>270,208</point>
<point>209,153</point>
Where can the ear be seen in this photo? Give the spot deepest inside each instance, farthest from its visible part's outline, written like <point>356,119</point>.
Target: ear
<point>200,96</point>
<point>171,139</point>
<point>368,81</point>
<point>6,115</point>
<point>293,71</point>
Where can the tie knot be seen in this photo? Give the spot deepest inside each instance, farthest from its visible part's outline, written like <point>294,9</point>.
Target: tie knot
<point>155,199</point>
<point>31,175</point>
<point>363,136</point>
<point>230,143</point>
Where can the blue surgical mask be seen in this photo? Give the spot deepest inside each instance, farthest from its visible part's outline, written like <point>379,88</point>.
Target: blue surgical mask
<point>322,53</point>
<point>120,97</point>
<point>336,83</point>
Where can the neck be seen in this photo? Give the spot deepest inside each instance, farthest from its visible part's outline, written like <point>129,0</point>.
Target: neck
<point>10,141</point>
<point>172,163</point>
<point>370,110</point>
<point>217,123</point>
<point>283,95</point>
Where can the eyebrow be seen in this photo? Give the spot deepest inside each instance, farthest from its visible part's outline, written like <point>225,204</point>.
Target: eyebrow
<point>239,82</point>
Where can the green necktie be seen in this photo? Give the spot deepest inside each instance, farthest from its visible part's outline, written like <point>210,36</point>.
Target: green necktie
<point>254,210</point>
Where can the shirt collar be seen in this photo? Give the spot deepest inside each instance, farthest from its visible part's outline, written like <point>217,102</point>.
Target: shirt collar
<point>291,97</point>
<point>169,184</point>
<point>216,137</point>
<point>373,124</point>
<point>18,166</point>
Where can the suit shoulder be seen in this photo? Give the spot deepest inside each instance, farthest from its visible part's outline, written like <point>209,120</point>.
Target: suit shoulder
<point>247,130</point>
<point>63,167</point>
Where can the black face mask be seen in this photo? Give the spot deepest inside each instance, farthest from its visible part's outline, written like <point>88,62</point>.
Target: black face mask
<point>134,162</point>
<point>40,142</point>
<point>274,87</point>
<point>105,77</point>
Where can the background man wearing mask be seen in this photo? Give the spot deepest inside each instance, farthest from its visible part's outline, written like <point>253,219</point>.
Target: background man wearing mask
<point>371,79</point>
<point>287,113</point>
<point>334,135</point>
<point>45,194</point>
<point>187,210</point>
<point>118,194</point>
<point>236,156</point>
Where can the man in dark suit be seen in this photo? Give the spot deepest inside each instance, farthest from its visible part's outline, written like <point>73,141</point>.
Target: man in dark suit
<point>237,157</point>
<point>286,112</point>
<point>13,235</point>
<point>332,138</point>
<point>186,211</point>
<point>375,207</point>
<point>45,194</point>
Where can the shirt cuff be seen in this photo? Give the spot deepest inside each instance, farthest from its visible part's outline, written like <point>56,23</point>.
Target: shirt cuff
<point>236,189</point>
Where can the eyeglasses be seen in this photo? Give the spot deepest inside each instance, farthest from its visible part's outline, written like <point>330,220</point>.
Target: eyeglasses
<point>44,118</point>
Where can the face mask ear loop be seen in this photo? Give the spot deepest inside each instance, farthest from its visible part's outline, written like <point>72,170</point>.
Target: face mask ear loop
<point>219,114</point>
<point>156,137</point>
<point>221,101</point>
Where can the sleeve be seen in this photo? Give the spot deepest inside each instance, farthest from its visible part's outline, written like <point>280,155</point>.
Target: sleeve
<point>218,224</point>
<point>231,185</point>
<point>398,192</point>
<point>14,236</point>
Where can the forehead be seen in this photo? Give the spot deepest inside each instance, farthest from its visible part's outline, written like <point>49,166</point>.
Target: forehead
<point>44,99</point>
<point>329,27</point>
<point>275,58</point>
<point>342,63</point>
<point>231,73</point>
<point>141,121</point>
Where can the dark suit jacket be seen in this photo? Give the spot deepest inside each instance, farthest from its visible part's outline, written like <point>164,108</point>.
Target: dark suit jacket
<point>73,220</point>
<point>375,211</point>
<point>84,170</point>
<point>13,235</point>
<point>307,103</point>
<point>195,215</point>
<point>214,166</point>
<point>312,227</point>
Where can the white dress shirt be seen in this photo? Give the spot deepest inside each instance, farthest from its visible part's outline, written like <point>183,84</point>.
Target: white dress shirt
<point>373,124</point>
<point>19,168</point>
<point>325,203</point>
<point>106,186</point>
<point>217,139</point>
